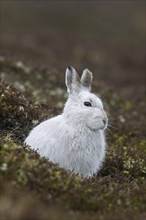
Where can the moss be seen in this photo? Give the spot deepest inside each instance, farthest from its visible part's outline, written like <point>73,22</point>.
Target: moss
<point>34,82</point>
<point>24,168</point>
<point>17,113</point>
<point>142,145</point>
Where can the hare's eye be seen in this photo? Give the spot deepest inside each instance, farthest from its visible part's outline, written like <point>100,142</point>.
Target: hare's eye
<point>87,104</point>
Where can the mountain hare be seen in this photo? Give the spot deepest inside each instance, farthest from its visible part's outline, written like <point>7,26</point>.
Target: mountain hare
<point>75,139</point>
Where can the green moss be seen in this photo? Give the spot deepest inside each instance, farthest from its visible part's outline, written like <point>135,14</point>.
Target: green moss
<point>142,145</point>
<point>24,168</point>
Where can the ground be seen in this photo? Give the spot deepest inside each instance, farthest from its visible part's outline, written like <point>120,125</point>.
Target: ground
<point>37,43</point>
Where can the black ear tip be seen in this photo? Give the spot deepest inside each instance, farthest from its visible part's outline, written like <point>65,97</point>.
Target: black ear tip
<point>69,68</point>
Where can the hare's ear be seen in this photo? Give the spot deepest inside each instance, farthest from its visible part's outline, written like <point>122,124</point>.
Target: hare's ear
<point>86,79</point>
<point>72,80</point>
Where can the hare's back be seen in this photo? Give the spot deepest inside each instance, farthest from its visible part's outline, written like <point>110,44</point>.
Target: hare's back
<point>43,135</point>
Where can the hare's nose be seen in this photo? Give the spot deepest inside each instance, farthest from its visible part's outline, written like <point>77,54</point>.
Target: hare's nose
<point>105,120</point>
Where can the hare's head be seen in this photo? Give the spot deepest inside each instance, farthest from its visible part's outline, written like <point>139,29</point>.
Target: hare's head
<point>82,106</point>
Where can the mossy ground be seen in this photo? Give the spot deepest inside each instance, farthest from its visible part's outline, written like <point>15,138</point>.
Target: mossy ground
<point>31,186</point>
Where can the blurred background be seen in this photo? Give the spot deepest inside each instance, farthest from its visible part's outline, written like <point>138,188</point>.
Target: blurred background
<point>107,37</point>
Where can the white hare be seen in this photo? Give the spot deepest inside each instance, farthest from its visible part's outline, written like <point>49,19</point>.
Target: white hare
<point>75,139</point>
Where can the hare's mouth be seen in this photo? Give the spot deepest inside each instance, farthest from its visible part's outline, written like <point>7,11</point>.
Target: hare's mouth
<point>99,125</point>
<point>94,128</point>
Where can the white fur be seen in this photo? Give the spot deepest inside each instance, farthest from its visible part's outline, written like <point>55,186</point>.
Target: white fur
<point>75,139</point>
